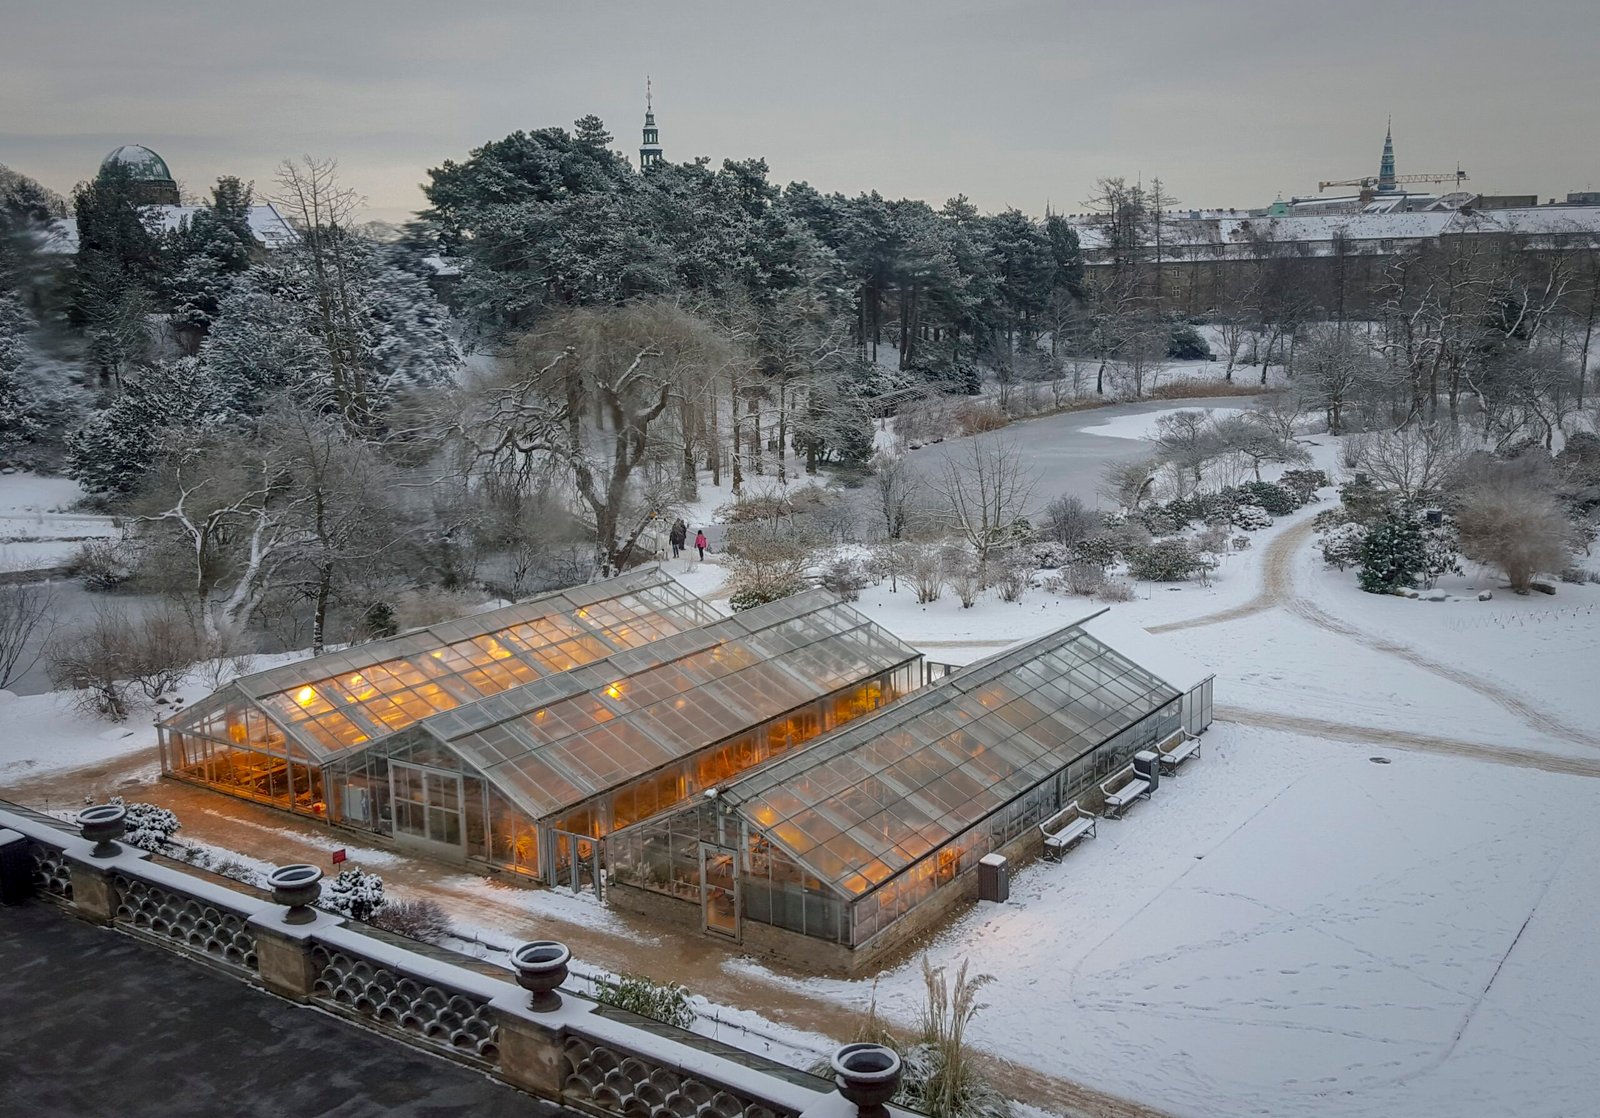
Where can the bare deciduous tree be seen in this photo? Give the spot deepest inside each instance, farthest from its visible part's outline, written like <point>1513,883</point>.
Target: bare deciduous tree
<point>984,488</point>
<point>1413,462</point>
<point>896,485</point>
<point>1127,484</point>
<point>583,396</point>
<point>26,622</point>
<point>1250,436</point>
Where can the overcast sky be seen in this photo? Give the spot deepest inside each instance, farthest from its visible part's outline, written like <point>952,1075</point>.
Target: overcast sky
<point>1012,102</point>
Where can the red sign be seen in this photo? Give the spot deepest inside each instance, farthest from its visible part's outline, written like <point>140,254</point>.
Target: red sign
<point>339,856</point>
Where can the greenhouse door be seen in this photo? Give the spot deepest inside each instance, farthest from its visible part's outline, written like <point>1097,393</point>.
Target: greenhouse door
<point>427,805</point>
<point>719,890</point>
<point>575,862</point>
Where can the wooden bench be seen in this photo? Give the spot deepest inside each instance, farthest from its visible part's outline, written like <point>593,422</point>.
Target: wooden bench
<point>1188,747</point>
<point>1063,830</point>
<point>1130,789</point>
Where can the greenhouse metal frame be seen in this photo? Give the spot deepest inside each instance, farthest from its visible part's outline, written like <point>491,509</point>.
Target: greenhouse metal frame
<point>521,736</point>
<point>846,838</point>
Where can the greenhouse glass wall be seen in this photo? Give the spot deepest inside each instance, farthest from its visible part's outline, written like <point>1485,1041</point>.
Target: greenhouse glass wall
<point>588,732</point>
<point>845,838</point>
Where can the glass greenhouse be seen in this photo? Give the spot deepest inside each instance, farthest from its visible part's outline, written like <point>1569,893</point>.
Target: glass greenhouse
<point>521,736</point>
<point>844,839</point>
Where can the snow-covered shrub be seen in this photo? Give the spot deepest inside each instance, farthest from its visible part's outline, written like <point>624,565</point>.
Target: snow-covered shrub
<point>845,577</point>
<point>1441,550</point>
<point>424,920</point>
<point>1304,483</point>
<point>1214,508</point>
<point>221,863</point>
<point>665,1002</point>
<point>102,564</point>
<point>964,574</point>
<point>149,826</point>
<point>764,568</point>
<point>1363,501</point>
<point>927,573</point>
<point>1080,578</point>
<point>1115,590</point>
<point>1276,499</point>
<point>1015,577</point>
<point>1163,520</point>
<point>1049,555</point>
<point>1068,520</point>
<point>1100,550</point>
<point>354,894</point>
<point>1212,540</point>
<point>1170,560</point>
<point>1251,517</point>
<point>1341,544</point>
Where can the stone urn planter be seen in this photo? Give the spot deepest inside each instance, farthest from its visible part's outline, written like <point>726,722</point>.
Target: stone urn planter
<point>297,887</point>
<point>541,968</point>
<point>103,825</point>
<point>867,1075</point>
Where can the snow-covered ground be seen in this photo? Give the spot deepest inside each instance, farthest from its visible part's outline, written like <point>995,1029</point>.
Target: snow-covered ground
<point>1289,928</point>
<point>37,528</point>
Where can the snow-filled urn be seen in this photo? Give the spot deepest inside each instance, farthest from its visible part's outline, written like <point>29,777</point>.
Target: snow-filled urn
<point>541,969</point>
<point>103,825</point>
<point>867,1075</point>
<point>297,887</point>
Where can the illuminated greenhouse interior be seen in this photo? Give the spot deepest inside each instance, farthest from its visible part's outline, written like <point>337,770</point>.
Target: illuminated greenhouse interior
<point>522,736</point>
<point>843,838</point>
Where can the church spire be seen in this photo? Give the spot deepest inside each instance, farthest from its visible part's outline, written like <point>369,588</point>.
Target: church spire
<point>1386,180</point>
<point>650,148</point>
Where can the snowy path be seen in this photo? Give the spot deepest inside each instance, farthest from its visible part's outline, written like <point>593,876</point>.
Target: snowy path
<point>1404,739</point>
<point>1278,590</point>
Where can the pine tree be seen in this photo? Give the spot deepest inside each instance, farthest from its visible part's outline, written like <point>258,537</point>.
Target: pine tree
<point>207,254</point>
<point>113,452</point>
<point>19,425</point>
<point>1393,554</point>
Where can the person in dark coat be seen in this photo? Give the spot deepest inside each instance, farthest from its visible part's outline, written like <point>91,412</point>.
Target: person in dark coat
<point>679,533</point>
<point>700,542</point>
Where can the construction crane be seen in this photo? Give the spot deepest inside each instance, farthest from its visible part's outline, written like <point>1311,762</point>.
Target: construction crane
<point>1370,182</point>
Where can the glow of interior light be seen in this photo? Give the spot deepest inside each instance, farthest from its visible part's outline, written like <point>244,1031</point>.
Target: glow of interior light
<point>305,696</point>
<point>614,691</point>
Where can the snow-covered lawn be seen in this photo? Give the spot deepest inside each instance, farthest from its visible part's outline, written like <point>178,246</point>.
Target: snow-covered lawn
<point>36,527</point>
<point>47,733</point>
<point>1291,929</point>
<point>1288,928</point>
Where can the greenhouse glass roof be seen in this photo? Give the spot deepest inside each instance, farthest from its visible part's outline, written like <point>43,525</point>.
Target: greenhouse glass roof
<point>865,802</point>
<point>554,743</point>
<point>351,698</point>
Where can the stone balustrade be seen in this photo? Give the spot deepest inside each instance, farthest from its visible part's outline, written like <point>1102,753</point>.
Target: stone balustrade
<point>571,1054</point>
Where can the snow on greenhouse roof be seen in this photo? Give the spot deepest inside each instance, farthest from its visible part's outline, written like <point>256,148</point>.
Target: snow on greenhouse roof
<point>353,697</point>
<point>554,743</point>
<point>869,800</point>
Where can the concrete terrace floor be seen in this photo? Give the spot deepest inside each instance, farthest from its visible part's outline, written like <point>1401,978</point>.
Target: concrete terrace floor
<point>97,1023</point>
